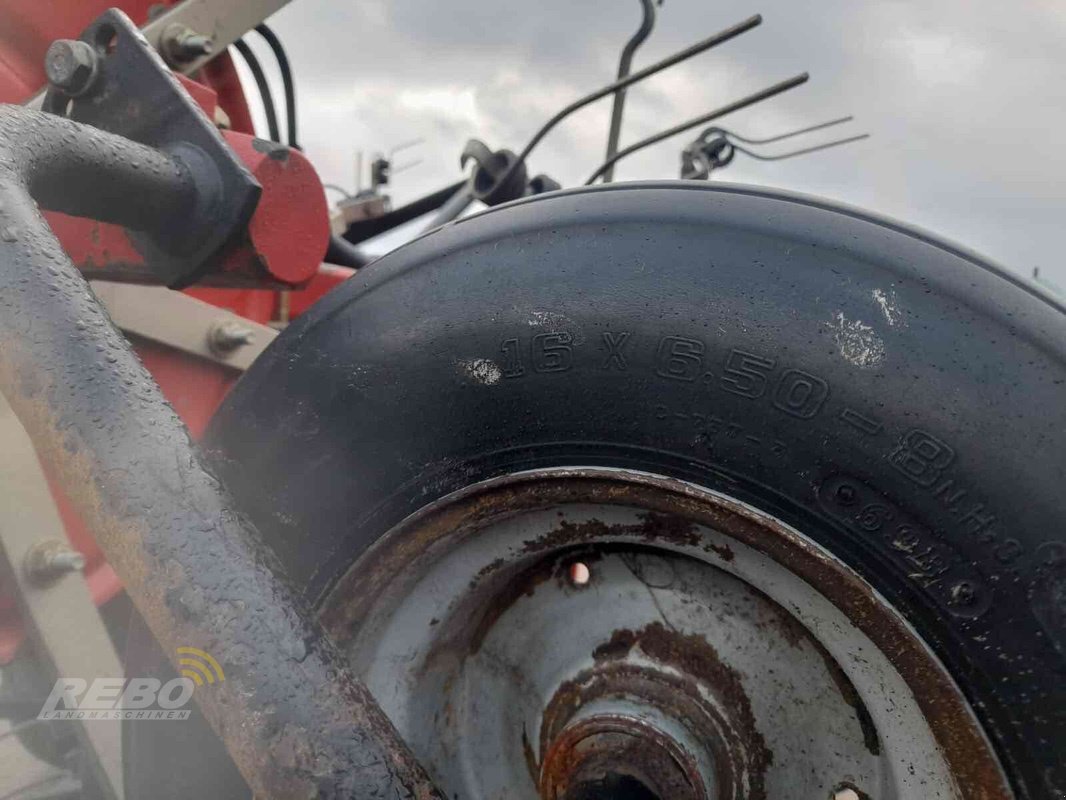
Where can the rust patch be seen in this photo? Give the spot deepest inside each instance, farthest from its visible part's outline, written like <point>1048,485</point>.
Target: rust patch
<point>668,529</point>
<point>619,646</point>
<point>493,591</point>
<point>725,726</point>
<point>502,593</point>
<point>605,753</point>
<point>723,551</point>
<point>653,527</point>
<point>693,655</point>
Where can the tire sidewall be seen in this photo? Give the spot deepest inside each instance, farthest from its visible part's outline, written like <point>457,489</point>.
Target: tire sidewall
<point>896,399</point>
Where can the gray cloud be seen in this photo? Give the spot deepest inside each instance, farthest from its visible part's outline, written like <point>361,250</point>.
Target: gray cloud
<point>961,97</point>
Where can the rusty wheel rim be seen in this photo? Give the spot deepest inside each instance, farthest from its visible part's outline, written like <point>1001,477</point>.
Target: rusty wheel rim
<point>571,634</point>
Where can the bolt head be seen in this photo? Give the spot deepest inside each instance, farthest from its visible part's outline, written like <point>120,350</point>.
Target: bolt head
<point>180,44</point>
<point>226,336</point>
<point>70,66</point>
<point>49,560</point>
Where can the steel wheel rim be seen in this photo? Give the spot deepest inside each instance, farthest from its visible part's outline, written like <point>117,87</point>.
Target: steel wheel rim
<point>426,609</point>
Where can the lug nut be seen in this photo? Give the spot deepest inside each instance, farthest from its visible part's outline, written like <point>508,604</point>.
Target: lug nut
<point>180,44</point>
<point>49,560</point>
<point>226,336</point>
<point>70,66</point>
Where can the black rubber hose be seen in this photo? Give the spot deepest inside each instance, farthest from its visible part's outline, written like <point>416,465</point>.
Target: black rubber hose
<point>264,88</point>
<point>286,79</point>
<point>364,229</point>
<point>344,253</point>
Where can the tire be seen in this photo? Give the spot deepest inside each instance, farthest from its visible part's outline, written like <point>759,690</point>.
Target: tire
<point>764,345</point>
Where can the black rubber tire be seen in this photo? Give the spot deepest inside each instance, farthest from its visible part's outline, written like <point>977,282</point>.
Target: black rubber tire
<point>770,346</point>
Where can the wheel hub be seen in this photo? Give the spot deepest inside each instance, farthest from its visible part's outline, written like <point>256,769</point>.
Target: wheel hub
<point>611,755</point>
<point>580,634</point>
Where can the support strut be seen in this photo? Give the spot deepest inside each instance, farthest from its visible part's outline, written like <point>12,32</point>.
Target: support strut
<point>293,718</point>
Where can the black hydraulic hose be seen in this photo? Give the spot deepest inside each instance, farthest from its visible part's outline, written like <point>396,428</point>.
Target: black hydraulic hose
<point>294,719</point>
<point>364,229</point>
<point>264,88</point>
<point>286,80</point>
<point>449,202</point>
<point>342,252</point>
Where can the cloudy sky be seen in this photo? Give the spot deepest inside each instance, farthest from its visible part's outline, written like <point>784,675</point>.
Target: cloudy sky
<point>964,98</point>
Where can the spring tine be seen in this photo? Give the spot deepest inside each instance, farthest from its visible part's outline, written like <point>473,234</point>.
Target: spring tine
<point>711,41</point>
<point>804,151</point>
<point>821,125</point>
<point>750,100</point>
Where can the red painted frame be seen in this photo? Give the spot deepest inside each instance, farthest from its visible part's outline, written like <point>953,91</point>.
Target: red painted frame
<point>194,386</point>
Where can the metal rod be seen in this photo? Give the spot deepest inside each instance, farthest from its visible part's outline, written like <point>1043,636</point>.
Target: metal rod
<point>405,146</point>
<point>294,719</point>
<point>676,58</point>
<point>345,254</point>
<point>751,99</point>
<point>452,208</point>
<point>396,170</point>
<point>363,229</point>
<point>336,188</point>
<point>624,64</point>
<point>804,151</point>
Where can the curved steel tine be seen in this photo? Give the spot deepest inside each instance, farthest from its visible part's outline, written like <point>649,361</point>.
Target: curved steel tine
<point>750,100</point>
<point>711,41</point>
<point>803,151</point>
<point>790,134</point>
<point>624,63</point>
<point>731,135</point>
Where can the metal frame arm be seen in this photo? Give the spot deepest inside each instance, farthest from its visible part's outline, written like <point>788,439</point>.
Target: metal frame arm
<point>84,172</point>
<point>293,718</point>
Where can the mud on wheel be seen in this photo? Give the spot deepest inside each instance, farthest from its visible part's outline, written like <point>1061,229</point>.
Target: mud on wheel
<point>677,492</point>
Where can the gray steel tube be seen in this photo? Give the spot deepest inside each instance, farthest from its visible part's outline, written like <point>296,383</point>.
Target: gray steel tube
<point>296,722</point>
